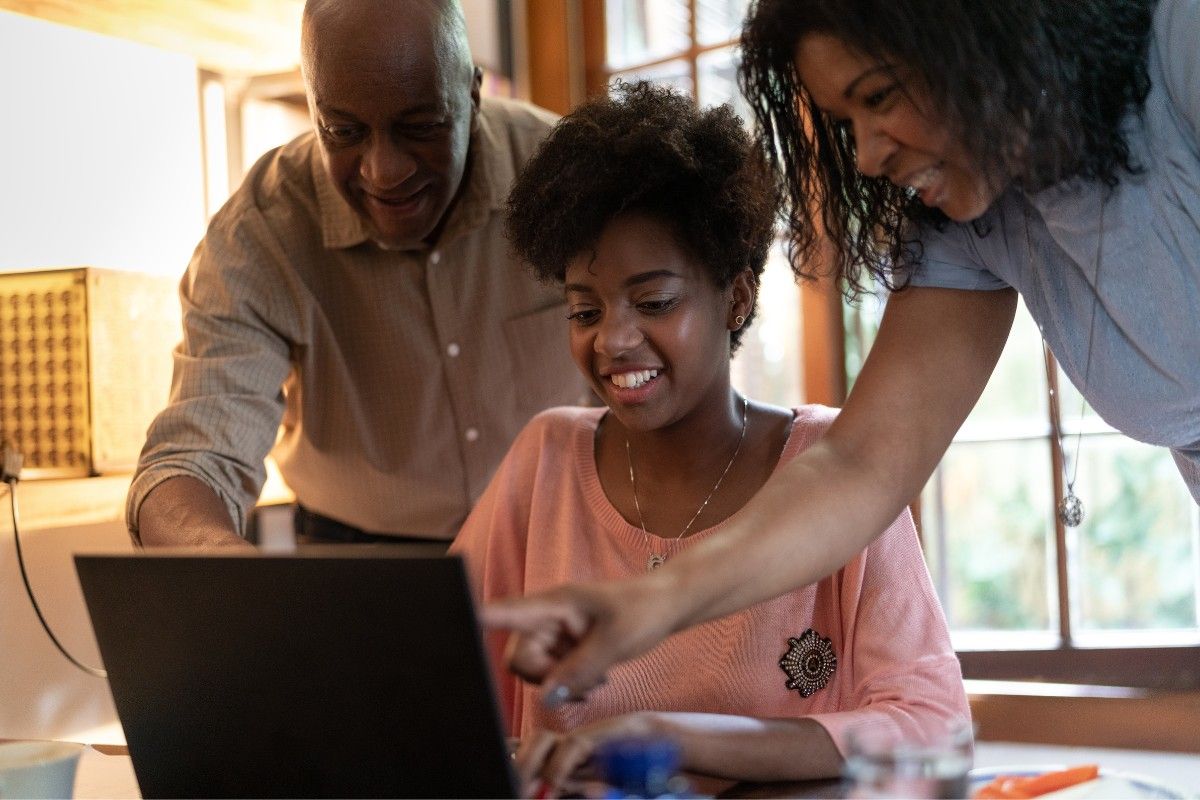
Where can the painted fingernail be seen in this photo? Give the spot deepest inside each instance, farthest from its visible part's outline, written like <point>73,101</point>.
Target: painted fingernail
<point>555,697</point>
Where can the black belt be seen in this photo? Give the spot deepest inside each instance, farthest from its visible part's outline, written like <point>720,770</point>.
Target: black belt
<point>312,527</point>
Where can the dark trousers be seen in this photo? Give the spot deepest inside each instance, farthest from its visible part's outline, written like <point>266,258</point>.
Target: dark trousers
<point>313,528</point>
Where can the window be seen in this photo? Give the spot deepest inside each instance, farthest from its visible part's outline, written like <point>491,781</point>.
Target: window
<point>691,45</point>
<point>1026,596</point>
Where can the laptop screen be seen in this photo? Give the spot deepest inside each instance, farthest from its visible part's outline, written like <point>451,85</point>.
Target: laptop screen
<point>340,672</point>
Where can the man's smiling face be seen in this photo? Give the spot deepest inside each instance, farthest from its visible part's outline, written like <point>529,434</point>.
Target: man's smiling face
<point>393,98</point>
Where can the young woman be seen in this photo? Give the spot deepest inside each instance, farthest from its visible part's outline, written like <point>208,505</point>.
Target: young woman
<point>657,219</point>
<point>968,151</point>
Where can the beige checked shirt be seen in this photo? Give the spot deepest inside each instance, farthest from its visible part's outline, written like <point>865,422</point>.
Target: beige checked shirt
<point>400,377</point>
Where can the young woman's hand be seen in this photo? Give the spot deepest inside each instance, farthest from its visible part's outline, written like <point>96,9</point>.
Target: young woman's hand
<point>550,764</point>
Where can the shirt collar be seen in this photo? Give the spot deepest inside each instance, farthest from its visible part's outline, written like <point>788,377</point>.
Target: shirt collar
<point>488,175</point>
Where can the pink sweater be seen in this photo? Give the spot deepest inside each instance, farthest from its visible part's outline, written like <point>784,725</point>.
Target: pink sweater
<point>544,520</point>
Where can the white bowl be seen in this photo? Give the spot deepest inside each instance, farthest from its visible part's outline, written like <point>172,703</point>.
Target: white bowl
<point>38,769</point>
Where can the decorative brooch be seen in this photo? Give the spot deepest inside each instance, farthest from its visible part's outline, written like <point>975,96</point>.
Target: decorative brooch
<point>809,662</point>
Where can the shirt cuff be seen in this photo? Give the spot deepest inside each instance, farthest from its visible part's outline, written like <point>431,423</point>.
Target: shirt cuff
<point>945,275</point>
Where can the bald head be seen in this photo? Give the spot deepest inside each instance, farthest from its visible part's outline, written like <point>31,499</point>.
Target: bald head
<point>393,95</point>
<point>386,24</point>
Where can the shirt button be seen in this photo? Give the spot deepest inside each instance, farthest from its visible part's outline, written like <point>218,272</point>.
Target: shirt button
<point>435,257</point>
<point>471,434</point>
<point>453,350</point>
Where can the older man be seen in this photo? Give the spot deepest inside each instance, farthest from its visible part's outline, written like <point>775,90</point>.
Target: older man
<point>358,288</point>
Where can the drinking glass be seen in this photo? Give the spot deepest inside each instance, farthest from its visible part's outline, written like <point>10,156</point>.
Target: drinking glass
<point>878,765</point>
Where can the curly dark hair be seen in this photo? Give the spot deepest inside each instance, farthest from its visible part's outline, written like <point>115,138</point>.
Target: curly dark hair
<point>647,150</point>
<point>1056,75</point>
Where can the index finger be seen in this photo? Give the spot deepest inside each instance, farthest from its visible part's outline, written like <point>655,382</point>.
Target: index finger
<point>535,614</point>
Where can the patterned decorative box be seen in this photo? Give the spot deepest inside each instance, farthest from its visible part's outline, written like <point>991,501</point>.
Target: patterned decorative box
<point>85,364</point>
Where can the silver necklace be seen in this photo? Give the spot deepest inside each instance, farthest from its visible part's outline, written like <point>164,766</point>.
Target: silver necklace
<point>656,560</point>
<point>1070,508</point>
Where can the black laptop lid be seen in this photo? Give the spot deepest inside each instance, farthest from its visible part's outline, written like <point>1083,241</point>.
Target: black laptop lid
<point>347,674</point>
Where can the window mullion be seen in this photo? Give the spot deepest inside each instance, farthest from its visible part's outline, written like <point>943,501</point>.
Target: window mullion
<point>1057,469</point>
<point>943,558</point>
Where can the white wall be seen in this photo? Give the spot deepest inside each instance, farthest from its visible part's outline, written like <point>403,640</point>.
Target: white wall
<point>44,696</point>
<point>100,165</point>
<point>100,157</point>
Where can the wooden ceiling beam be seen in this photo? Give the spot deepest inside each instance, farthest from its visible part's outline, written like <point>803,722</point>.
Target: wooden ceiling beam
<point>232,37</point>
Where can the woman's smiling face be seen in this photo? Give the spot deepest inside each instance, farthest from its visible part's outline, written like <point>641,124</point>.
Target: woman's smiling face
<point>896,135</point>
<point>648,326</point>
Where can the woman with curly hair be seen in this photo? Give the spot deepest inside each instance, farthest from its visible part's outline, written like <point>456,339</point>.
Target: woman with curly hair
<point>964,151</point>
<point>657,218</point>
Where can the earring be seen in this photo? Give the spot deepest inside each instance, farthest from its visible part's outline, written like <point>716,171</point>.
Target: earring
<point>739,320</point>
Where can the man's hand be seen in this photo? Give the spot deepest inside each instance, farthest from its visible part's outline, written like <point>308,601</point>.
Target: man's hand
<point>568,637</point>
<point>184,512</point>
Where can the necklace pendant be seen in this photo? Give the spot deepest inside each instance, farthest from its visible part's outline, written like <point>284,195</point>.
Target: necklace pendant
<point>1070,510</point>
<point>655,561</point>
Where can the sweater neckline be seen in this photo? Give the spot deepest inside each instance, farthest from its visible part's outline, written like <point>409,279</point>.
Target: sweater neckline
<point>615,525</point>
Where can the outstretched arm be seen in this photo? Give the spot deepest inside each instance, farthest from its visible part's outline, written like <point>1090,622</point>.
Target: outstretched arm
<point>202,466</point>
<point>932,358</point>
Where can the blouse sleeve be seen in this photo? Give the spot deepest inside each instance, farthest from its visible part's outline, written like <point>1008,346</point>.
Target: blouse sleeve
<point>948,262</point>
<point>492,543</point>
<point>906,679</point>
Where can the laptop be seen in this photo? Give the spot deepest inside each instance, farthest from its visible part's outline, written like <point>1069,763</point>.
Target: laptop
<point>339,671</point>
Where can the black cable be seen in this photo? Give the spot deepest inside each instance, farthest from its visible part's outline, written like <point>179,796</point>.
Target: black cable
<point>12,496</point>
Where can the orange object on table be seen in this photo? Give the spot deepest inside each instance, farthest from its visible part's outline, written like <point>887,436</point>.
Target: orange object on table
<point>1013,787</point>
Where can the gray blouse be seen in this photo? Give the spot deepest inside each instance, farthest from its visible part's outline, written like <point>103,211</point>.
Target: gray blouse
<point>1126,262</point>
